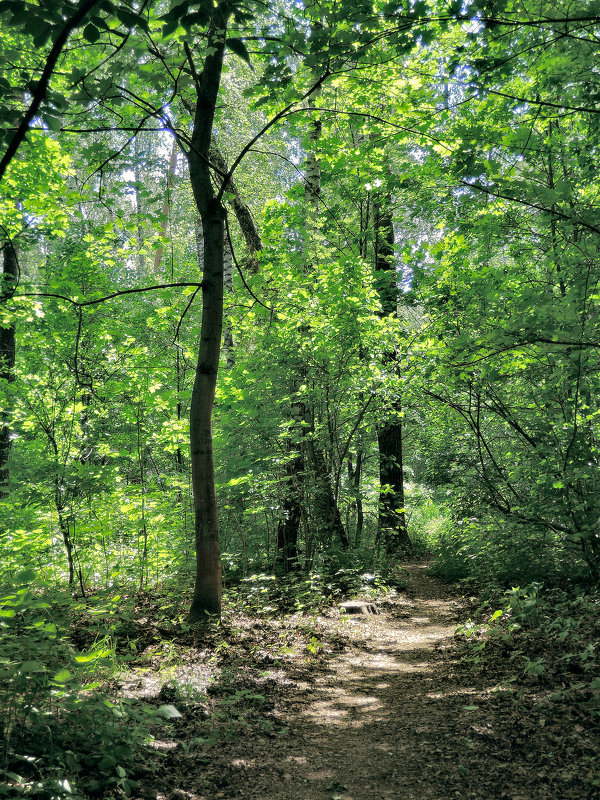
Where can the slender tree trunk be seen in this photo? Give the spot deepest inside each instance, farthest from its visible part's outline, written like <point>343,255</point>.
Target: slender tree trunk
<point>392,516</point>
<point>10,274</point>
<point>228,343</point>
<point>327,514</point>
<point>328,519</point>
<point>289,526</point>
<point>241,210</point>
<point>249,232</point>
<point>207,589</point>
<point>354,476</point>
<point>141,266</point>
<point>166,208</point>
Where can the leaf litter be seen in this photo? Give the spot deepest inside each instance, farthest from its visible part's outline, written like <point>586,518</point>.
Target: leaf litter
<point>373,706</point>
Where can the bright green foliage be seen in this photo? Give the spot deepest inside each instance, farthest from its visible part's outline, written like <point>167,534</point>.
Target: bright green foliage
<point>478,132</point>
<point>59,737</point>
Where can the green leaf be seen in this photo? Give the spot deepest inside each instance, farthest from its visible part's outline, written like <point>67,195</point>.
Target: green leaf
<point>91,33</point>
<point>63,676</point>
<point>131,20</point>
<point>27,576</point>
<point>53,123</point>
<point>31,666</point>
<point>238,47</point>
<point>169,712</point>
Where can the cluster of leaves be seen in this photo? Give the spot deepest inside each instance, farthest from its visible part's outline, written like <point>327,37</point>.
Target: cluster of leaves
<point>493,556</point>
<point>547,636</point>
<point>61,735</point>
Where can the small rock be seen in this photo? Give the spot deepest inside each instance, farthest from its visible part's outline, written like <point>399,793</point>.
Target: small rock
<point>357,607</point>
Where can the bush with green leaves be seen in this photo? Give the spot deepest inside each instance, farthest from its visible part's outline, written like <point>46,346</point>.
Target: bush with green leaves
<point>60,737</point>
<point>546,635</point>
<point>495,555</point>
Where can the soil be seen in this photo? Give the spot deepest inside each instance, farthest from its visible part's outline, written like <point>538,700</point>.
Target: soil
<point>367,706</point>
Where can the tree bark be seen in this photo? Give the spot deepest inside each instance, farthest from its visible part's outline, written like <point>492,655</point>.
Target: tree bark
<point>240,208</point>
<point>207,590</point>
<point>10,274</point>
<point>327,515</point>
<point>392,516</point>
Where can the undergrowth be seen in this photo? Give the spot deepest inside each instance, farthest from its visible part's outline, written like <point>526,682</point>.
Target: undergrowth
<point>549,638</point>
<point>62,735</point>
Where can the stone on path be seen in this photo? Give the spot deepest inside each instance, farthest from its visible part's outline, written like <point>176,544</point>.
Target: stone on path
<point>357,607</point>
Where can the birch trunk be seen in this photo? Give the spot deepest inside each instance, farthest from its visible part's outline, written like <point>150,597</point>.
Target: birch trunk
<point>166,209</point>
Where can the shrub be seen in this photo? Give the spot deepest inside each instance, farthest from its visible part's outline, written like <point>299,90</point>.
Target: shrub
<point>60,737</point>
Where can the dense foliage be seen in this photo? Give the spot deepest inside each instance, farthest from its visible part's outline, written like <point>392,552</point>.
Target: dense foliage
<point>400,201</point>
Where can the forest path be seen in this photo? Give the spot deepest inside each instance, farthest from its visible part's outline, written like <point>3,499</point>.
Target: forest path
<point>365,728</point>
<point>383,713</point>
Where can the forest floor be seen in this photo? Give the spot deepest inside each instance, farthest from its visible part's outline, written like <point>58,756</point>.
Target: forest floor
<point>375,706</point>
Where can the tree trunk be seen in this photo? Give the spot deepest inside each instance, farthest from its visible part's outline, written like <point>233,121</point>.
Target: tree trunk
<point>328,519</point>
<point>354,476</point>
<point>10,273</point>
<point>327,514</point>
<point>392,516</point>
<point>288,528</point>
<point>207,589</point>
<point>166,209</point>
<point>249,232</point>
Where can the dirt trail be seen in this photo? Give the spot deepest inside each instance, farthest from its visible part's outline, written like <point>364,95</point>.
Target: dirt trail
<point>388,714</point>
<point>362,727</point>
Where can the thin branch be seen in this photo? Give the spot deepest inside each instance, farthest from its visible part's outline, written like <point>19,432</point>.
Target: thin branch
<point>185,311</point>
<point>121,293</point>
<point>535,206</point>
<point>39,93</point>
<point>273,121</point>
<point>239,269</point>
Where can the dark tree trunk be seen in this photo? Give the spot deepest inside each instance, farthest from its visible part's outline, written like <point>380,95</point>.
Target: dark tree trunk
<point>10,273</point>
<point>327,514</point>
<point>207,589</point>
<point>354,476</point>
<point>288,528</point>
<point>392,516</point>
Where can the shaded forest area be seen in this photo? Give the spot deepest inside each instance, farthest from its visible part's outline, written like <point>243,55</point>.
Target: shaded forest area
<point>293,295</point>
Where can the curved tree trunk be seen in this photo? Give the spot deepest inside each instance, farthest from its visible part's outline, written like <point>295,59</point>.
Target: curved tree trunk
<point>207,588</point>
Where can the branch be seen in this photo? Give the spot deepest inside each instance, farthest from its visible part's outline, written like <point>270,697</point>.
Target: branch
<point>530,102</point>
<point>121,293</point>
<point>536,206</point>
<point>41,89</point>
<point>284,112</point>
<point>239,269</point>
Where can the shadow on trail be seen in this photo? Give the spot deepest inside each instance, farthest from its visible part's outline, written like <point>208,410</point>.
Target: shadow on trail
<point>389,717</point>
